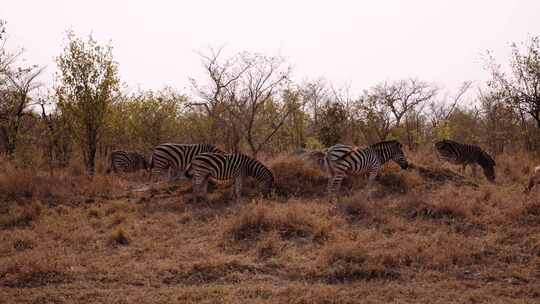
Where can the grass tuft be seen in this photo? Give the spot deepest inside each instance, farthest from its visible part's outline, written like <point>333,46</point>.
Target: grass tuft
<point>118,237</point>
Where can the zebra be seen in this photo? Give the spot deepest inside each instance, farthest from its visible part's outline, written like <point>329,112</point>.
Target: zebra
<point>126,161</point>
<point>464,154</point>
<point>227,166</point>
<point>175,158</point>
<point>340,160</point>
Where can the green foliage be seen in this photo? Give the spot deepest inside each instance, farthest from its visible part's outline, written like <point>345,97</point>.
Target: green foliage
<point>444,130</point>
<point>333,123</point>
<point>521,85</point>
<point>147,119</point>
<point>313,143</point>
<point>88,84</point>
<point>17,82</point>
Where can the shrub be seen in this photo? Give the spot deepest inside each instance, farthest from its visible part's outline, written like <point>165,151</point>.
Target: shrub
<point>443,209</point>
<point>31,271</point>
<point>296,176</point>
<point>270,246</point>
<point>348,261</point>
<point>211,271</point>
<point>20,216</point>
<point>354,207</point>
<point>289,221</point>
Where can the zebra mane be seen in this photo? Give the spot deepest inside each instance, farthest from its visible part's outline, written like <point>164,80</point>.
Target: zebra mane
<point>386,142</point>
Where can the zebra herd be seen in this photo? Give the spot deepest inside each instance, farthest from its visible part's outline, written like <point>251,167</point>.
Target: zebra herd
<point>199,162</point>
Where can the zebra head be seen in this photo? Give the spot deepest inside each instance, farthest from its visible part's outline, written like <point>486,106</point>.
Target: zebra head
<point>391,150</point>
<point>488,165</point>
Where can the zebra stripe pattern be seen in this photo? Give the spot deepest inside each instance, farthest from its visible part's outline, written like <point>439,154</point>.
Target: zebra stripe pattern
<point>175,158</point>
<point>227,166</point>
<point>464,154</point>
<point>127,161</point>
<point>341,160</point>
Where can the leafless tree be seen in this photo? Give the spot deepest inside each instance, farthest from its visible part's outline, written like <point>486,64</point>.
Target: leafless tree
<point>314,94</point>
<point>16,85</point>
<point>238,93</point>
<point>403,96</point>
<point>521,84</point>
<point>441,110</point>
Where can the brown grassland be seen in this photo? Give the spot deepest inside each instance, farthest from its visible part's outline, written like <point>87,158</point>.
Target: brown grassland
<point>423,236</point>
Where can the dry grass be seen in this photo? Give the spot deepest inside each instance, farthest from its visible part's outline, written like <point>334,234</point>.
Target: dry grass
<point>297,177</point>
<point>348,262</point>
<point>418,238</point>
<point>289,221</point>
<point>19,216</point>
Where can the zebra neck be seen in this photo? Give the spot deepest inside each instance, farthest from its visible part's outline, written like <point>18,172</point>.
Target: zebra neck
<point>383,155</point>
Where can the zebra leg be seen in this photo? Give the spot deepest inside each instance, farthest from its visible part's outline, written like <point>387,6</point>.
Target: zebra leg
<point>199,185</point>
<point>204,187</point>
<point>334,183</point>
<point>170,176</point>
<point>473,166</point>
<point>373,173</point>
<point>237,190</point>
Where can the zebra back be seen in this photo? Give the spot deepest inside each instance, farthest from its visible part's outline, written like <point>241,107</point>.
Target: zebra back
<point>385,151</point>
<point>227,166</point>
<point>459,153</point>
<point>390,150</point>
<point>177,156</point>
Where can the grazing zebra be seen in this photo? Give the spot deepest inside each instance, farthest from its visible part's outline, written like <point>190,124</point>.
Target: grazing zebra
<point>463,154</point>
<point>126,161</point>
<point>227,166</point>
<point>341,160</point>
<point>175,158</point>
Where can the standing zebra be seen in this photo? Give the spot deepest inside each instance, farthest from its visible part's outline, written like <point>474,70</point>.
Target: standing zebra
<point>175,158</point>
<point>342,160</point>
<point>227,166</point>
<point>463,154</point>
<point>126,161</point>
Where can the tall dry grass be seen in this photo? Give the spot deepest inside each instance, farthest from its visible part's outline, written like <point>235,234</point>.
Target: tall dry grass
<point>417,238</point>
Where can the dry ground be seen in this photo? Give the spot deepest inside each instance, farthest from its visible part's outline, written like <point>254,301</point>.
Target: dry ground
<point>423,237</point>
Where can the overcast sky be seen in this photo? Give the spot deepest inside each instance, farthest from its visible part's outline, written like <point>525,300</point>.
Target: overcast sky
<point>356,42</point>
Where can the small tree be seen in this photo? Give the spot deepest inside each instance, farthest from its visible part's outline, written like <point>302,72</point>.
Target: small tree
<point>88,83</point>
<point>333,123</point>
<point>372,118</point>
<point>146,119</point>
<point>521,84</point>
<point>16,86</point>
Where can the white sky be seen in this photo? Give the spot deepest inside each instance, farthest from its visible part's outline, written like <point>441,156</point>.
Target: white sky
<point>356,42</point>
